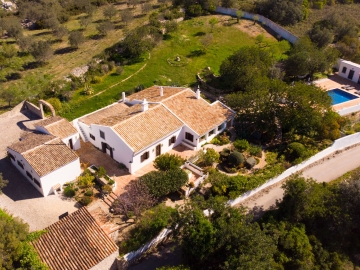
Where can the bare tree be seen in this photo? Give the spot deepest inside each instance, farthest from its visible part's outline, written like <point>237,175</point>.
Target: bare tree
<point>134,201</point>
<point>109,12</point>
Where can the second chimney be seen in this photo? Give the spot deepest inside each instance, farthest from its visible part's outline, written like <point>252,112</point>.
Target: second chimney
<point>144,105</point>
<point>198,93</point>
<point>161,91</point>
<point>123,96</point>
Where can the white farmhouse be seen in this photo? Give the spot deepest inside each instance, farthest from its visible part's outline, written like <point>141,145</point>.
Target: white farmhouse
<point>61,128</point>
<point>45,161</point>
<point>137,129</point>
<point>349,70</point>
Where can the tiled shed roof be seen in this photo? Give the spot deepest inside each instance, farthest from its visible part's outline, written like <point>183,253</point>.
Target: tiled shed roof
<point>197,114</point>
<point>109,111</point>
<point>30,140</point>
<point>147,127</point>
<point>152,94</point>
<point>58,127</point>
<point>49,156</point>
<point>74,242</point>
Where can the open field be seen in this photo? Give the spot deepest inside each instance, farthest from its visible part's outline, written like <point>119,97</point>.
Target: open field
<point>345,11</point>
<point>160,69</point>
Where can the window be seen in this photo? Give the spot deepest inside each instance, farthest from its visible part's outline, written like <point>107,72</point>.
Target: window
<point>93,137</point>
<point>144,156</point>
<point>102,134</point>
<point>11,156</point>
<point>37,182</point>
<point>172,140</point>
<point>344,70</point>
<point>29,175</point>
<point>189,136</point>
<point>20,164</point>
<point>212,132</point>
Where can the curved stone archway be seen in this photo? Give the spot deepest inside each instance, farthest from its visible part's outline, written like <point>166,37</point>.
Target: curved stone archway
<point>47,104</point>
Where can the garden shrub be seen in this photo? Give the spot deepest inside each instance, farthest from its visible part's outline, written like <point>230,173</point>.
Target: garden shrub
<point>101,172</point>
<point>168,161</point>
<point>111,182</point>
<point>69,192</point>
<point>161,183</point>
<point>89,192</point>
<point>215,141</point>
<point>241,145</point>
<point>86,200</point>
<point>210,157</point>
<point>297,152</point>
<point>236,158</point>
<point>86,180</point>
<point>221,139</point>
<point>106,189</point>
<point>149,226</point>
<point>250,162</point>
<point>255,151</point>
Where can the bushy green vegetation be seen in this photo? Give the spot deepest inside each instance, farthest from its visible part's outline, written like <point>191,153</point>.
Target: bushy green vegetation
<point>161,183</point>
<point>168,161</point>
<point>150,225</point>
<point>15,249</point>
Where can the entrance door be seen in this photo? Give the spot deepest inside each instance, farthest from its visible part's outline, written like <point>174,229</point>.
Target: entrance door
<point>158,150</point>
<point>351,74</point>
<point>107,149</point>
<point>71,144</point>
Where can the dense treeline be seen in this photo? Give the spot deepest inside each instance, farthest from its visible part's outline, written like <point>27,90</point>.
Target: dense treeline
<point>315,226</point>
<point>15,248</point>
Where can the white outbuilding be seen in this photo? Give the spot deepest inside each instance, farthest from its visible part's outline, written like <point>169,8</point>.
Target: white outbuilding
<point>349,70</point>
<point>45,161</point>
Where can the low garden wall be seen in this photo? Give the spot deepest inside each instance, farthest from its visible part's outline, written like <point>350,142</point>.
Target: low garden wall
<point>263,20</point>
<point>349,110</point>
<point>337,147</point>
<point>34,109</point>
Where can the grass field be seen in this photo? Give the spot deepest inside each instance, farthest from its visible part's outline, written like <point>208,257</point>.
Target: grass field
<point>346,11</point>
<point>185,43</point>
<point>65,60</point>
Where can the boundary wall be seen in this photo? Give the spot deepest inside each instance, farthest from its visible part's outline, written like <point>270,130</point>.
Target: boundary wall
<point>269,23</point>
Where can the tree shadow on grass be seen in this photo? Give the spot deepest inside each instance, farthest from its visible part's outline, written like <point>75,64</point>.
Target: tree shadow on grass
<point>65,50</point>
<point>120,3</point>
<point>96,36</point>
<point>43,33</point>
<point>13,76</point>
<point>33,65</point>
<point>119,26</point>
<point>199,34</point>
<point>139,16</point>
<point>196,53</point>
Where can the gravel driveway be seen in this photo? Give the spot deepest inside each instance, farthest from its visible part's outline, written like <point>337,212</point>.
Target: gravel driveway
<point>20,198</point>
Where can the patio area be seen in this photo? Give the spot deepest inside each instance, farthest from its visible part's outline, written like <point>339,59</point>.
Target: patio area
<point>91,155</point>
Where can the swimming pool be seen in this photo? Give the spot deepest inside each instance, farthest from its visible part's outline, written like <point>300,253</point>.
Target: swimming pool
<point>339,96</point>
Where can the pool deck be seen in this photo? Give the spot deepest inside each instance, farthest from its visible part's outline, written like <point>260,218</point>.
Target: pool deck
<point>335,81</point>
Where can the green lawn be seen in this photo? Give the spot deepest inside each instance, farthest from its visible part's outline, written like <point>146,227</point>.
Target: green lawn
<point>226,40</point>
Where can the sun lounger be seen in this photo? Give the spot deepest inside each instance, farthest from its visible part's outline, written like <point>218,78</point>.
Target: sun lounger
<point>345,86</point>
<point>350,88</point>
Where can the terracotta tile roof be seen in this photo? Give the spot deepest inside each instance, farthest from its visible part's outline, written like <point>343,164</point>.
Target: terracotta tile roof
<point>58,127</point>
<point>109,111</point>
<point>29,141</point>
<point>49,156</point>
<point>152,94</point>
<point>123,115</point>
<point>147,127</point>
<point>48,121</point>
<point>74,242</point>
<point>197,114</point>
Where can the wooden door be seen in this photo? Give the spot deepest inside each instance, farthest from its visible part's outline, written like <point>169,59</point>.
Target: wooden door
<point>158,150</point>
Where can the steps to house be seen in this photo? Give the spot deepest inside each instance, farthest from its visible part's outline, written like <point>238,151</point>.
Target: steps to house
<point>85,138</point>
<point>110,198</point>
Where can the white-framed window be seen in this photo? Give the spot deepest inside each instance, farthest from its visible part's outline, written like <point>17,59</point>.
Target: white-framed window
<point>102,134</point>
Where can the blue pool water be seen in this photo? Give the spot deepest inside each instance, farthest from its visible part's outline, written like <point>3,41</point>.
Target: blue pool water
<point>340,96</point>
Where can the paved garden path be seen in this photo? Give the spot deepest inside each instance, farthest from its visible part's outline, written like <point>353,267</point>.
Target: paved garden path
<point>325,172</point>
<point>20,198</point>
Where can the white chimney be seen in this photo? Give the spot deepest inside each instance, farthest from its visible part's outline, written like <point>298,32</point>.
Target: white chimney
<point>123,96</point>
<point>198,93</point>
<point>161,91</point>
<point>144,105</point>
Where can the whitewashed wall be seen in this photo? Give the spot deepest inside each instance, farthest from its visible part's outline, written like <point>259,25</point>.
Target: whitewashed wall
<point>349,66</point>
<point>339,144</point>
<point>137,164</point>
<point>27,167</point>
<point>64,174</point>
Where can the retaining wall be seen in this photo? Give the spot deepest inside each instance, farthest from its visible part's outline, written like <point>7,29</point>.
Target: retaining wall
<point>34,109</point>
<point>250,16</point>
<point>338,146</point>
